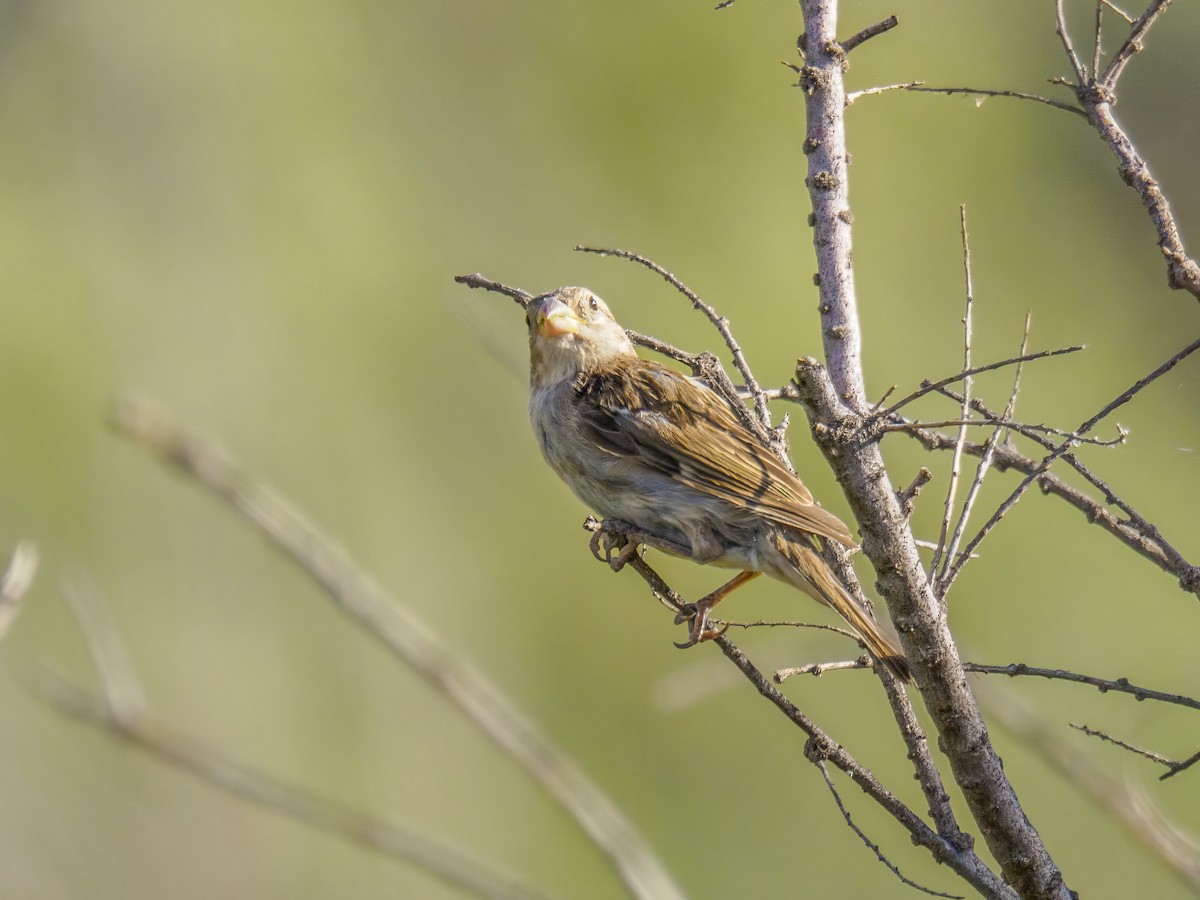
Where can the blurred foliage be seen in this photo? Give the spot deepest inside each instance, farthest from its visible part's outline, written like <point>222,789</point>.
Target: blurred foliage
<point>252,212</point>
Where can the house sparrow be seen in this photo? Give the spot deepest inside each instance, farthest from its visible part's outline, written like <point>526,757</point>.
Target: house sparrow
<point>642,443</point>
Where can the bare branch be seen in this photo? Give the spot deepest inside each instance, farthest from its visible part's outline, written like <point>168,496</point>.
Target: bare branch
<point>835,399</point>
<point>1139,535</point>
<point>1104,685</point>
<point>122,711</point>
<point>120,687</point>
<point>961,858</point>
<point>919,87</point>
<point>1125,802</point>
<point>928,387</point>
<point>1132,44</point>
<point>1137,751</point>
<point>409,640</point>
<point>989,450</point>
<point>1173,766</point>
<point>1060,20</point>
<point>854,96</point>
<point>935,573</point>
<point>823,83</point>
<point>721,323</point>
<point>869,32</point>
<point>1178,767</point>
<point>1120,12</point>
<point>478,281</point>
<point>1123,398</point>
<point>998,420</point>
<point>404,843</point>
<point>1097,95</point>
<point>16,580</point>
<point>819,669</point>
<point>871,845</point>
<point>910,493</point>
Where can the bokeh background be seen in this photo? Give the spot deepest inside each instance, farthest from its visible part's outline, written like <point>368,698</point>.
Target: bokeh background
<point>251,213</point>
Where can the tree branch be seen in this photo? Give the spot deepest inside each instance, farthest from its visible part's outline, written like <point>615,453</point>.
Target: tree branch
<point>409,640</point>
<point>836,402</point>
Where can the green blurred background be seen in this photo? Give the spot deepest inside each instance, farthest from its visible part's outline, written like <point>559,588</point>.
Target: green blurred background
<point>252,212</point>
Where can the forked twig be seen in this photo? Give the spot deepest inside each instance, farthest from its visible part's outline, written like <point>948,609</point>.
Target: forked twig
<point>985,461</point>
<point>1135,532</point>
<point>1123,398</point>
<point>1132,43</point>
<point>871,845</point>
<point>928,387</point>
<point>948,838</point>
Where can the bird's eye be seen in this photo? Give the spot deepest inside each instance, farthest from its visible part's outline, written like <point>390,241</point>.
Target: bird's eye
<point>594,304</point>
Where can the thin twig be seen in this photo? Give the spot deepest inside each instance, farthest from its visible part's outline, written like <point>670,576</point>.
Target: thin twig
<point>122,710</point>
<point>1180,766</point>
<point>1132,44</point>
<point>961,857</point>
<point>999,421</point>
<point>935,570</point>
<point>1060,26</point>
<point>1097,95</point>
<point>409,640</point>
<point>818,669</point>
<point>1097,47</point>
<point>1137,534</point>
<point>985,461</point>
<point>721,323</point>
<point>1104,685</point>
<point>815,626</point>
<point>408,844</point>
<point>871,845</point>
<point>1119,401</point>
<point>853,96</point>
<point>121,689</point>
<point>869,32</point>
<point>1123,800</point>
<point>1137,751</point>
<point>521,297</point>
<point>922,88</point>
<point>1120,12</point>
<point>928,387</point>
<point>15,582</point>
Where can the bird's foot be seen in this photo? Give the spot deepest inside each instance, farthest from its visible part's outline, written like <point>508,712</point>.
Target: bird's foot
<point>612,547</point>
<point>698,612</point>
<point>700,631</point>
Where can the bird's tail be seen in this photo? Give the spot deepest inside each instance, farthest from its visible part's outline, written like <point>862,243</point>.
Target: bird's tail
<point>807,571</point>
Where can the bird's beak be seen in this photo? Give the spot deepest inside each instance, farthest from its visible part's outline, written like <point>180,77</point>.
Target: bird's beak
<point>555,318</point>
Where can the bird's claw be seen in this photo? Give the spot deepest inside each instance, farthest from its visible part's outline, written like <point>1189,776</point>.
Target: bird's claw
<point>700,631</point>
<point>612,547</point>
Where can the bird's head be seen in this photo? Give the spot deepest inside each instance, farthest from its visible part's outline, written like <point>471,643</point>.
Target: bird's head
<point>570,331</point>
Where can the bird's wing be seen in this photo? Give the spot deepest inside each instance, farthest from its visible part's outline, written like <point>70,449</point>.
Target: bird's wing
<point>645,411</point>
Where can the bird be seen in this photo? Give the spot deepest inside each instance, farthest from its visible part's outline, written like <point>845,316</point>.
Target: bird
<point>645,445</point>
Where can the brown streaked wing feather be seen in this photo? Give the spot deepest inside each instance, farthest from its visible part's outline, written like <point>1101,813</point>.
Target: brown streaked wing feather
<point>636,407</point>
